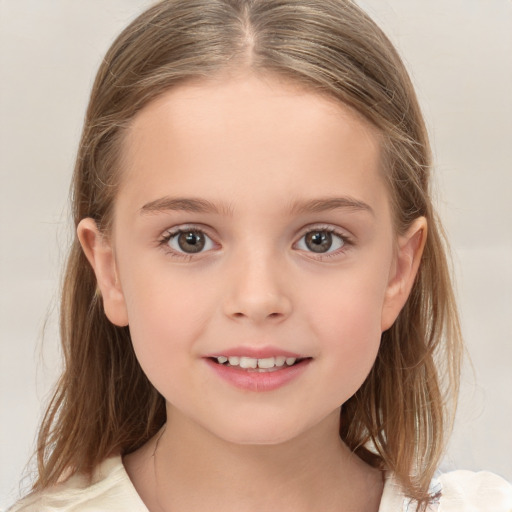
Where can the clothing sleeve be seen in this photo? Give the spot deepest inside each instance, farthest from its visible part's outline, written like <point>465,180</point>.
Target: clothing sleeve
<point>109,490</point>
<point>466,491</point>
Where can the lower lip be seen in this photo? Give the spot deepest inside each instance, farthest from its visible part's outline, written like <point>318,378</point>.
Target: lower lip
<point>258,381</point>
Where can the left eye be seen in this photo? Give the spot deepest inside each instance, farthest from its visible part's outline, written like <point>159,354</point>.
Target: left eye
<point>321,241</point>
<point>189,241</point>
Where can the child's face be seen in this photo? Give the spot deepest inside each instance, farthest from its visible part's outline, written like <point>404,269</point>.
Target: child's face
<point>287,249</point>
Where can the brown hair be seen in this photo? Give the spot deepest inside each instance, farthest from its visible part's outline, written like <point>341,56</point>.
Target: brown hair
<point>104,403</point>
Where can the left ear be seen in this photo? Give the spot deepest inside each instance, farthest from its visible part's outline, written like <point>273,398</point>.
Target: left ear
<point>404,270</point>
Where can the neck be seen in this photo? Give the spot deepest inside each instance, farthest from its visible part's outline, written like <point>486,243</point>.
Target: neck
<point>189,469</point>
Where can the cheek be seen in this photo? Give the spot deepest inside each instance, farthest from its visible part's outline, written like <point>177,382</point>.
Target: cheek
<point>347,321</point>
<point>353,335</point>
<point>167,304</point>
<point>166,319</point>
<point>350,302</point>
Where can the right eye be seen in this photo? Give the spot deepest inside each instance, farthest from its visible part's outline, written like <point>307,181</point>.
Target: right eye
<point>187,241</point>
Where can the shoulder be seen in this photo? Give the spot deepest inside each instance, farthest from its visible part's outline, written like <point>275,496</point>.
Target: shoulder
<point>482,491</point>
<point>456,491</point>
<point>110,490</point>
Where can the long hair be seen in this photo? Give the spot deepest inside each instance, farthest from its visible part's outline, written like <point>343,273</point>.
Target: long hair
<point>103,403</point>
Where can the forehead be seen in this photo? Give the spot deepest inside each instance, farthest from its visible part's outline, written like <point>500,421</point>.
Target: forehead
<point>238,99</point>
<point>239,135</point>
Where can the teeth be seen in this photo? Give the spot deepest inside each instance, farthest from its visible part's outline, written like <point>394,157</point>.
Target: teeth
<point>269,362</point>
<point>280,360</point>
<point>248,362</point>
<point>266,363</point>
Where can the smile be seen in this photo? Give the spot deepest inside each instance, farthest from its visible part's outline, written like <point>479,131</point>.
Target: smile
<point>267,364</point>
<point>258,374</point>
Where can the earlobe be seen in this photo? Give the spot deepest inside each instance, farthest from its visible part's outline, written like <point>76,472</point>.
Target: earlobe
<point>100,255</point>
<point>406,265</point>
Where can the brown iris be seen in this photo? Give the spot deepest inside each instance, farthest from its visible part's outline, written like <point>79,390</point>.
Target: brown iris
<point>191,241</point>
<point>318,241</point>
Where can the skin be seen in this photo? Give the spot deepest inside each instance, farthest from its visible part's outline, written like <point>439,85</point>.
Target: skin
<point>253,146</point>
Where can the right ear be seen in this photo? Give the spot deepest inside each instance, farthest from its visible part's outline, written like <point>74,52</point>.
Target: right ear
<point>98,250</point>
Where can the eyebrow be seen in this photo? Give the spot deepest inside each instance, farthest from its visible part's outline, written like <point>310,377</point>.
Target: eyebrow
<point>330,203</point>
<point>187,204</point>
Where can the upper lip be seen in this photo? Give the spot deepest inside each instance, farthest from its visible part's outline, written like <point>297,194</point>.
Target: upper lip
<point>255,353</point>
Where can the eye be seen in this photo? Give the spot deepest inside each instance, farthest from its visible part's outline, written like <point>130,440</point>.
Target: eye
<point>321,241</point>
<point>188,241</point>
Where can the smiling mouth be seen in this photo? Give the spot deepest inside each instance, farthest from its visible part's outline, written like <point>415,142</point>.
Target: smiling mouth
<point>250,364</point>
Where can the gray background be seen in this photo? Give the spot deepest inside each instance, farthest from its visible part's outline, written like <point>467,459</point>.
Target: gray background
<point>460,55</point>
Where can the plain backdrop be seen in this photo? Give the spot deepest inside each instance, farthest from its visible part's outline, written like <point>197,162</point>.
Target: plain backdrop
<point>459,53</point>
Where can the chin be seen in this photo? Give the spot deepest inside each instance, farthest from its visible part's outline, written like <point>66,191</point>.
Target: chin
<point>260,433</point>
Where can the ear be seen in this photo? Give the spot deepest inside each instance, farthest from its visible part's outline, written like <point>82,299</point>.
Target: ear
<point>404,270</point>
<point>100,254</point>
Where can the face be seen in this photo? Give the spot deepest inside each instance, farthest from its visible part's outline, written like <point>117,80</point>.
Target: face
<point>252,255</point>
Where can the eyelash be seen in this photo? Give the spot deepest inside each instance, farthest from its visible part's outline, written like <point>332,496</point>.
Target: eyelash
<point>346,240</point>
<point>169,235</point>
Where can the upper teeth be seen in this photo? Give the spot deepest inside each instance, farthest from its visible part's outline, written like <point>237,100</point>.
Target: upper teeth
<point>250,362</point>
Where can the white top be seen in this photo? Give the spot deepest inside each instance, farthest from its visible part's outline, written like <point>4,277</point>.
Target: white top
<point>112,490</point>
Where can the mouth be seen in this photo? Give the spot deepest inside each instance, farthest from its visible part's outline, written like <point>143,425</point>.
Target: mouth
<point>258,369</point>
<point>261,365</point>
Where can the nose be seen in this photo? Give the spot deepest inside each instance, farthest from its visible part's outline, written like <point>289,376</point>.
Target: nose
<point>257,291</point>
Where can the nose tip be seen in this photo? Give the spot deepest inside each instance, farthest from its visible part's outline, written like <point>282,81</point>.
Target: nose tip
<point>258,294</point>
<point>273,309</point>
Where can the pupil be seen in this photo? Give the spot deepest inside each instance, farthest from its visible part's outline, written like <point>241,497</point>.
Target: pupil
<point>319,241</point>
<point>191,242</point>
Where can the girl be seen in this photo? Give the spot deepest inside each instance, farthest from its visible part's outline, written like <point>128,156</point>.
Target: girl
<point>257,311</point>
